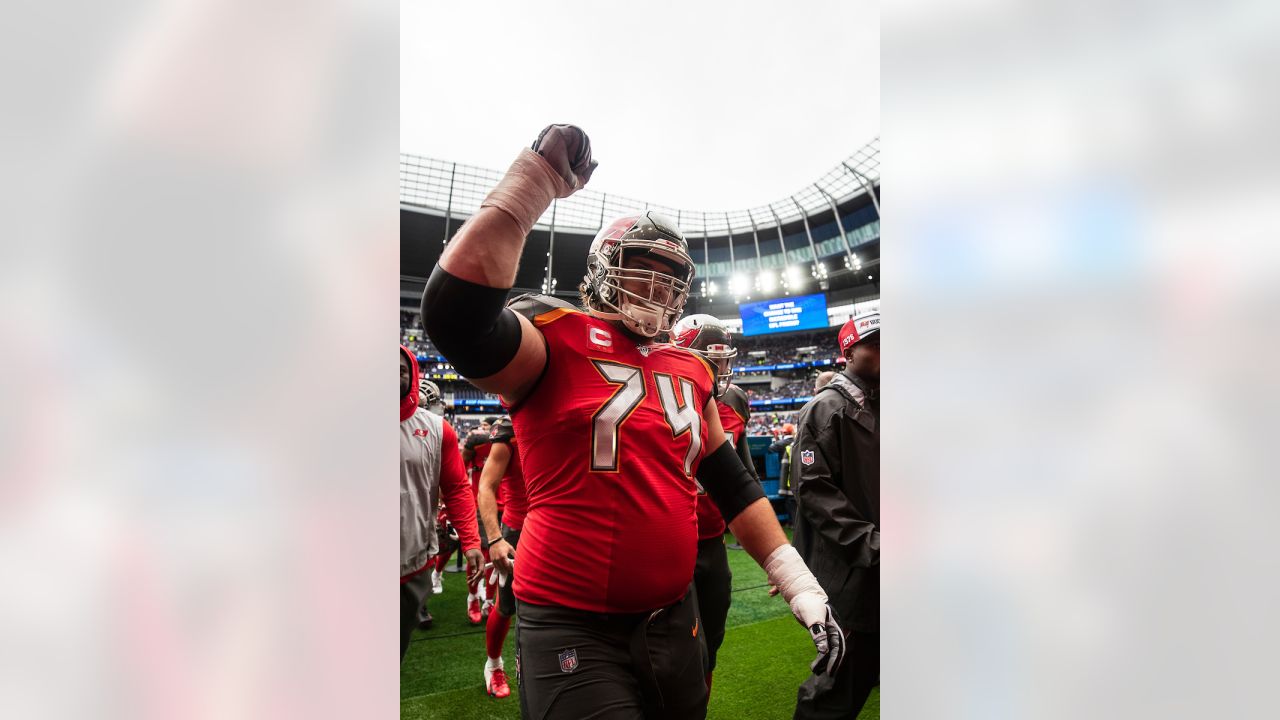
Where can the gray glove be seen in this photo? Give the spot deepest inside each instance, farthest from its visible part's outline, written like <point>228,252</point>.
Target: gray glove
<point>829,639</point>
<point>567,149</point>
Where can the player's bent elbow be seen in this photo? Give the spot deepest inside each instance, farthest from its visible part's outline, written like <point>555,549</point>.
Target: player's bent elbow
<point>522,372</point>
<point>727,481</point>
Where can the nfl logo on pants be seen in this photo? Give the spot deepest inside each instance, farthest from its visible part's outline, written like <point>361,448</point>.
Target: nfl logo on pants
<point>569,660</point>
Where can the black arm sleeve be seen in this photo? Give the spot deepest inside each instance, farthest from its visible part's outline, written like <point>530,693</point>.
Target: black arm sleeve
<point>728,483</point>
<point>469,324</point>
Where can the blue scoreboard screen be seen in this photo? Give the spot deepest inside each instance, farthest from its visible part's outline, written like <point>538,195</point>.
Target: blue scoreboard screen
<point>804,312</point>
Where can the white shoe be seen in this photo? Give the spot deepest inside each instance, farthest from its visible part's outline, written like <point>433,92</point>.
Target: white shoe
<point>437,582</point>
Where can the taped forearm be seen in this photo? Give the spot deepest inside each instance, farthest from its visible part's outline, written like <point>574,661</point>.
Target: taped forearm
<point>797,584</point>
<point>727,481</point>
<point>469,324</point>
<point>526,191</point>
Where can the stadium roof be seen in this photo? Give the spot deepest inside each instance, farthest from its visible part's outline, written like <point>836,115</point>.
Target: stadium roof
<point>456,190</point>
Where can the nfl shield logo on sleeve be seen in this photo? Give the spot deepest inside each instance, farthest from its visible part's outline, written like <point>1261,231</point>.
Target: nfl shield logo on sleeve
<point>569,660</point>
<point>806,457</point>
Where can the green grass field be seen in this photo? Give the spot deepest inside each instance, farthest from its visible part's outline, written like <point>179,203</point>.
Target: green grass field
<point>764,658</point>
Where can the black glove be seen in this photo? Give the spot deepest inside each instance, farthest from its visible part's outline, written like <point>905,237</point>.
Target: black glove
<point>568,150</point>
<point>829,639</point>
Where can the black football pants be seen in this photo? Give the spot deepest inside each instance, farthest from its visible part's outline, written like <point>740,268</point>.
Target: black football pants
<point>577,665</point>
<point>412,594</point>
<point>713,582</point>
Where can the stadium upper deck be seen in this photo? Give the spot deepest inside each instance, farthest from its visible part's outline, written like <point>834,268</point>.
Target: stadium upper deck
<point>822,238</point>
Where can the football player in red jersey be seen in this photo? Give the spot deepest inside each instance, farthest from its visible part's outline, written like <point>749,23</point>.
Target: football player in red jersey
<point>614,430</point>
<point>475,454</point>
<point>502,470</point>
<point>712,580</point>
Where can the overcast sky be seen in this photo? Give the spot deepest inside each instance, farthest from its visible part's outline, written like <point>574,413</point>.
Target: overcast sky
<point>700,104</point>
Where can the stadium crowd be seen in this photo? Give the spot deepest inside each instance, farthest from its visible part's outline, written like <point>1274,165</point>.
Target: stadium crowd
<point>791,347</point>
<point>800,387</point>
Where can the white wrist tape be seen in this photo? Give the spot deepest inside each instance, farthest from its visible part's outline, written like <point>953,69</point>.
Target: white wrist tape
<point>526,191</point>
<point>799,587</point>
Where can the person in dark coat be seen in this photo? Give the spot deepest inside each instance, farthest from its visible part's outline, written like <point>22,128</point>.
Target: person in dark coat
<point>835,472</point>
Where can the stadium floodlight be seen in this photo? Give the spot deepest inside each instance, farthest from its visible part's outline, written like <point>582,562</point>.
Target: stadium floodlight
<point>766,281</point>
<point>737,284</point>
<point>711,288</point>
<point>795,278</point>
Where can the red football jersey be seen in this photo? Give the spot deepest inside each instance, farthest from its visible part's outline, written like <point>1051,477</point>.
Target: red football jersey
<point>477,467</point>
<point>480,452</point>
<point>512,491</point>
<point>610,440</point>
<point>710,521</point>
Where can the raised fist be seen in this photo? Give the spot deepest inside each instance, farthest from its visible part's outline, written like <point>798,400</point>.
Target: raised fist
<point>567,149</point>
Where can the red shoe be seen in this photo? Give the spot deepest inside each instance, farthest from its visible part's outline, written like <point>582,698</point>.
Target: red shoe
<point>496,682</point>
<point>473,611</point>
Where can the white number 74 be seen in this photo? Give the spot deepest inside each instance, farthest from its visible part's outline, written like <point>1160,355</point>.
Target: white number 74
<point>681,416</point>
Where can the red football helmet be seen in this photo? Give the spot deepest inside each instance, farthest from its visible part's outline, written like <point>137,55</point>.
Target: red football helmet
<point>646,301</point>
<point>710,338</point>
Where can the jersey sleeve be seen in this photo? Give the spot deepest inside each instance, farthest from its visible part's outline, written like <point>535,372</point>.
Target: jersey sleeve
<point>736,399</point>
<point>744,453</point>
<point>504,432</point>
<point>456,491</point>
<point>534,306</point>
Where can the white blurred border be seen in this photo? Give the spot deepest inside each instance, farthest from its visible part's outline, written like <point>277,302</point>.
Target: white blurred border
<point>1079,460</point>
<point>201,237</point>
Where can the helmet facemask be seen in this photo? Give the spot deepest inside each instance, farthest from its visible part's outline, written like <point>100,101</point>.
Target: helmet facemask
<point>429,397</point>
<point>712,341</point>
<point>719,356</point>
<point>647,301</point>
